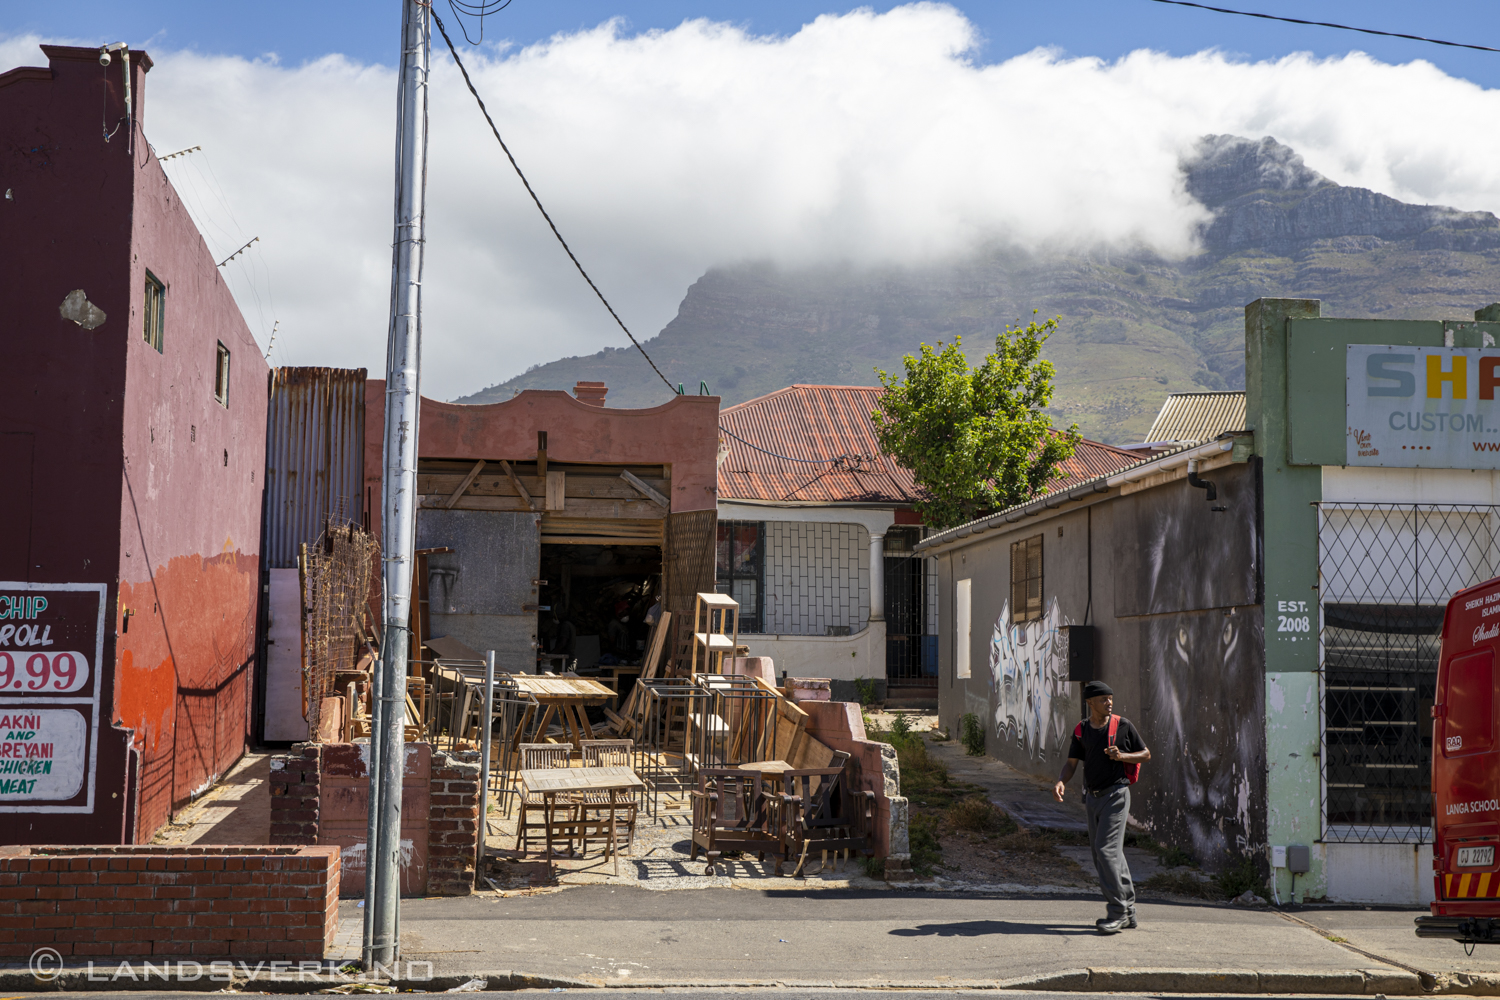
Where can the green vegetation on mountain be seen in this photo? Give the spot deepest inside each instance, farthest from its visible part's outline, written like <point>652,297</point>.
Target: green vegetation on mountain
<point>1133,325</point>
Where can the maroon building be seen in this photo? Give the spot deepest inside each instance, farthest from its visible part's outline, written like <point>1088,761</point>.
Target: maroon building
<point>131,437</point>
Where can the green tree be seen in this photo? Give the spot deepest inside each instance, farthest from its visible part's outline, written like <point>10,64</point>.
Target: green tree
<point>976,439</point>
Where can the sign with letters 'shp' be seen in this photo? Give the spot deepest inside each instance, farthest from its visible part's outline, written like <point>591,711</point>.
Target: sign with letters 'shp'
<point>51,645</point>
<point>1429,407</point>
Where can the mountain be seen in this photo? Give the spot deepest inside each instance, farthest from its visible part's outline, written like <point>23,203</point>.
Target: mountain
<point>1135,325</point>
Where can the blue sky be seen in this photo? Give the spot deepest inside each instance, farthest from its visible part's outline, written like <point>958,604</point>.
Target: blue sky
<point>364,30</point>
<point>884,137</point>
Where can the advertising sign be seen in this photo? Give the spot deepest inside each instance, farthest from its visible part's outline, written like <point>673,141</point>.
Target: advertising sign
<point>1428,407</point>
<point>51,644</point>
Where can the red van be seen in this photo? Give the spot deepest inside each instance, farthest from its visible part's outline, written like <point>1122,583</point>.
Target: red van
<point>1466,773</point>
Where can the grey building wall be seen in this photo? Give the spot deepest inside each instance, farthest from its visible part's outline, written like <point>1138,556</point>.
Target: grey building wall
<point>1174,596</point>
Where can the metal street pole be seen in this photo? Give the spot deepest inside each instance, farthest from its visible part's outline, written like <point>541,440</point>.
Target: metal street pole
<point>484,763</point>
<point>399,492</point>
<point>372,832</point>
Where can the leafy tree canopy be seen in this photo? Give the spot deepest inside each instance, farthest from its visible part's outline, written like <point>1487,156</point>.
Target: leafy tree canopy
<point>976,439</point>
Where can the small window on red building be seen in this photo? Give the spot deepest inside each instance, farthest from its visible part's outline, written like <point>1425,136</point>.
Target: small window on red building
<point>155,310</point>
<point>221,376</point>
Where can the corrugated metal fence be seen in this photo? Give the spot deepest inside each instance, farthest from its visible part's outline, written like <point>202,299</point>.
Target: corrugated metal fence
<point>314,456</point>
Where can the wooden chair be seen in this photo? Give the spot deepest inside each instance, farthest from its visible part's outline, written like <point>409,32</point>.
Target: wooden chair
<point>609,753</point>
<point>821,812</point>
<point>536,757</point>
<point>731,813</point>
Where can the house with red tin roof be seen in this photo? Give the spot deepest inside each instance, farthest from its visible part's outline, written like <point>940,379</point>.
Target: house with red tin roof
<point>808,504</point>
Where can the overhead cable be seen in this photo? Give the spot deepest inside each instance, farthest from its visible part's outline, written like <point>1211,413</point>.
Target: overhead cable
<point>485,111</point>
<point>852,463</point>
<point>1328,24</point>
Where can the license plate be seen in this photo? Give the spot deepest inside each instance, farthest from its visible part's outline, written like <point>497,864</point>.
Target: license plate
<point>1476,857</point>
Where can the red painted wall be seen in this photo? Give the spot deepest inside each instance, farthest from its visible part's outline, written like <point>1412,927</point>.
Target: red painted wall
<point>141,479</point>
<point>682,433</point>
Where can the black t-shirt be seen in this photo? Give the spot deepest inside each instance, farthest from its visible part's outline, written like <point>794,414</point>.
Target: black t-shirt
<point>1098,770</point>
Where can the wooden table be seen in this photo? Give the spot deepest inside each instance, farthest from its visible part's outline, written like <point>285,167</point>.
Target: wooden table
<point>566,696</point>
<point>550,782</point>
<point>769,768</point>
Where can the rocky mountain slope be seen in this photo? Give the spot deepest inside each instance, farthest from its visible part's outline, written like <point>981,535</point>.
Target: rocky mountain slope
<point>1135,326</point>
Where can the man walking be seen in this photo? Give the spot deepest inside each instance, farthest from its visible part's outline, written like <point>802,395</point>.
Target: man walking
<point>1112,752</point>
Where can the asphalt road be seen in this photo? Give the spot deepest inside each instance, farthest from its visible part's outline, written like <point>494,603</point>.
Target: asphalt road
<point>777,994</point>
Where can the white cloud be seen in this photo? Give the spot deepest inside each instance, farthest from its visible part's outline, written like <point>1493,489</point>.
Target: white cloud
<point>863,137</point>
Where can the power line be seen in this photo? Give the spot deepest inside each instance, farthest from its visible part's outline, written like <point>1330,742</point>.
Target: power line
<point>485,111</point>
<point>480,9</point>
<point>852,463</point>
<point>1328,24</point>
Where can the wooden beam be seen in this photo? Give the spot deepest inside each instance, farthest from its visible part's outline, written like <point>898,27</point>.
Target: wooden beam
<point>556,490</point>
<point>516,482</point>
<point>468,481</point>
<point>646,491</point>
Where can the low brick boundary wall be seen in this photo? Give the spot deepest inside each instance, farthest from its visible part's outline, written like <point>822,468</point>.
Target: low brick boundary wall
<point>178,902</point>
<point>298,814</point>
<point>454,824</point>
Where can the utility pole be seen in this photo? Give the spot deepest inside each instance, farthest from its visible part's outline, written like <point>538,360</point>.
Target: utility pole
<point>399,491</point>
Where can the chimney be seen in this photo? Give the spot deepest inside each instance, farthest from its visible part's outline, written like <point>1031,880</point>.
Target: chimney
<point>591,393</point>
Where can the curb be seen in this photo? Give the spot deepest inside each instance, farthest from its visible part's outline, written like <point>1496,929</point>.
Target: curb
<point>143,978</point>
<point>1349,982</point>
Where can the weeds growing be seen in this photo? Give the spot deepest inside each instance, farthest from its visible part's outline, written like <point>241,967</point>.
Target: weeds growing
<point>1182,884</point>
<point>977,815</point>
<point>972,735</point>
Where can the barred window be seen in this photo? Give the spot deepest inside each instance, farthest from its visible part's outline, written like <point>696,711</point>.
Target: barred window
<point>1386,573</point>
<point>1379,673</point>
<point>1026,579</point>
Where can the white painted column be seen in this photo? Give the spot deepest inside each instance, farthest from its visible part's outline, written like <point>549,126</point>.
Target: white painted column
<point>877,577</point>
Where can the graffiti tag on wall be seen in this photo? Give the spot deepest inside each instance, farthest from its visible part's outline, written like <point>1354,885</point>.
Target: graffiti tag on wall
<point>1034,709</point>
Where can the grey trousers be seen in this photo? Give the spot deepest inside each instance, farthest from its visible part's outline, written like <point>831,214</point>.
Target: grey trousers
<point>1107,815</point>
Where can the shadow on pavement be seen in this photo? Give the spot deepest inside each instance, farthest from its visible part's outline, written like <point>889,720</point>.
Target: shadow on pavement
<point>982,928</point>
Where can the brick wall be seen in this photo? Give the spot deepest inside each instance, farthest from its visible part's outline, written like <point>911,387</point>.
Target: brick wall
<point>179,902</point>
<point>452,818</point>
<point>294,794</point>
<point>872,767</point>
<point>454,824</point>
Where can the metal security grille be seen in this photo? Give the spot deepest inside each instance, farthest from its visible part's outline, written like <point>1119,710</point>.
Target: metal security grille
<point>1386,572</point>
<point>910,654</point>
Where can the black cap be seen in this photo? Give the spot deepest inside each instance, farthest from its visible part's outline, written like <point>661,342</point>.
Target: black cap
<point>1096,689</point>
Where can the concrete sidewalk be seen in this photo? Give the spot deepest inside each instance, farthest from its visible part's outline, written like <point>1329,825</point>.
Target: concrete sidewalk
<point>597,935</point>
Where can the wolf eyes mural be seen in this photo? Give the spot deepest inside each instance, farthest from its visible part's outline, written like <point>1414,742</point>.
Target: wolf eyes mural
<point>1034,708</point>
<point>1204,723</point>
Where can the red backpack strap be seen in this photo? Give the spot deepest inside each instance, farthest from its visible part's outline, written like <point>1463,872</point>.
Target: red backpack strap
<point>1078,731</point>
<point>1114,726</point>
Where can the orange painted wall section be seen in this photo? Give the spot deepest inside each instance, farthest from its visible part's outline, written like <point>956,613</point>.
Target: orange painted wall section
<point>682,433</point>
<point>184,675</point>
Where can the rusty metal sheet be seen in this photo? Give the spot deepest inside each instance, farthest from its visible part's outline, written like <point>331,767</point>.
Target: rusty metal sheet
<point>314,456</point>
<point>820,423</point>
<point>343,813</point>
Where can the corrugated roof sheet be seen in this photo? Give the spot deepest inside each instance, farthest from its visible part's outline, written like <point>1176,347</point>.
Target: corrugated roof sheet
<point>1198,416</point>
<point>314,456</point>
<point>819,423</point>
